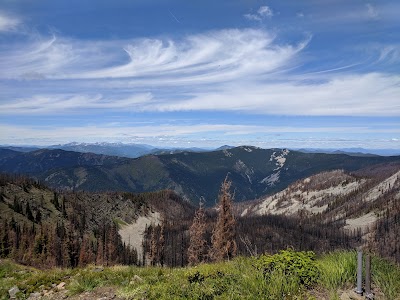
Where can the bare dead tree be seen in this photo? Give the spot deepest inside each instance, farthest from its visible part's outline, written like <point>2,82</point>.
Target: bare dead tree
<point>223,244</point>
<point>197,244</point>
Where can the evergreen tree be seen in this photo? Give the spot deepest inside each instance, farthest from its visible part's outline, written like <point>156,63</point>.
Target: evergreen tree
<point>38,217</point>
<point>223,244</point>
<point>28,212</point>
<point>55,201</point>
<point>17,205</point>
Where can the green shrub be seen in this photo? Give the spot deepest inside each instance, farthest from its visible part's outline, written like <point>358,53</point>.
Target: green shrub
<point>297,267</point>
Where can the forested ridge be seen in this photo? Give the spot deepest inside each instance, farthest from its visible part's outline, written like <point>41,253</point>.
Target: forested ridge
<point>47,228</point>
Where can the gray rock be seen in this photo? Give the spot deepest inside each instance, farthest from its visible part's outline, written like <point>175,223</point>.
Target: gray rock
<point>351,295</point>
<point>13,292</point>
<point>34,296</point>
<point>136,279</point>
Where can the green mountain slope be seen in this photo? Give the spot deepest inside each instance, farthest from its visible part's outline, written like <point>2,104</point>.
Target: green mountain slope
<point>254,172</point>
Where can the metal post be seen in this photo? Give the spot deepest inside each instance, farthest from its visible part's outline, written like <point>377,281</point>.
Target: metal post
<point>368,293</point>
<point>359,273</point>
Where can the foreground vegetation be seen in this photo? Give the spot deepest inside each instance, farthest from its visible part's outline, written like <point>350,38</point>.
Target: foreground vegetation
<point>287,275</point>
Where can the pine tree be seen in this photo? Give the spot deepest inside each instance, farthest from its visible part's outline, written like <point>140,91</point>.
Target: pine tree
<point>223,244</point>
<point>17,205</point>
<point>197,244</point>
<point>55,201</point>
<point>38,217</point>
<point>28,212</point>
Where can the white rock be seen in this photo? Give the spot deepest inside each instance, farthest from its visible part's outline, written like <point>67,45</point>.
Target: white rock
<point>61,286</point>
<point>13,292</point>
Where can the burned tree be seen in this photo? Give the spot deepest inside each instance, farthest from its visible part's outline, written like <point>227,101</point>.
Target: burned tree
<point>223,245</point>
<point>197,244</point>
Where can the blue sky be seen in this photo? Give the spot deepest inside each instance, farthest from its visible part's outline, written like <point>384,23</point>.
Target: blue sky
<point>297,74</point>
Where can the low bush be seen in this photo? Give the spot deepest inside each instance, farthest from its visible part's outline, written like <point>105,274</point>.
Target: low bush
<point>299,267</point>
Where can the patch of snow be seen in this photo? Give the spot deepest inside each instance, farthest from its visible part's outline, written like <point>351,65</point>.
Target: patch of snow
<point>247,149</point>
<point>272,156</point>
<point>244,212</point>
<point>279,159</point>
<point>271,179</point>
<point>241,167</point>
<point>227,153</point>
<point>248,177</point>
<point>132,234</point>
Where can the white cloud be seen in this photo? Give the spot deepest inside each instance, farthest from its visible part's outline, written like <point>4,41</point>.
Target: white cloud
<point>389,53</point>
<point>262,13</point>
<point>265,12</point>
<point>373,94</point>
<point>227,70</point>
<point>52,58</point>
<point>44,104</point>
<point>252,17</point>
<point>372,12</point>
<point>353,95</point>
<point>211,57</point>
<point>8,22</point>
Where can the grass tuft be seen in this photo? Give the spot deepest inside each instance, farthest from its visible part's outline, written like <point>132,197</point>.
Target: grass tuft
<point>386,276</point>
<point>338,269</point>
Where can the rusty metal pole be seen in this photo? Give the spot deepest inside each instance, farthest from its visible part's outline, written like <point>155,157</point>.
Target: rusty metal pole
<point>359,289</point>
<point>368,293</point>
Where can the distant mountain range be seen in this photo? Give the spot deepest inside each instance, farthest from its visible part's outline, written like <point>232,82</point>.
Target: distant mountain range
<point>112,149</point>
<point>255,172</point>
<point>353,151</point>
<point>136,150</point>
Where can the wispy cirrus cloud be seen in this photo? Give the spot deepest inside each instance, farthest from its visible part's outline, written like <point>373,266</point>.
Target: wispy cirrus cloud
<point>262,13</point>
<point>60,103</point>
<point>372,12</point>
<point>210,57</point>
<point>373,94</point>
<point>390,54</point>
<point>8,22</point>
<point>244,70</point>
<point>53,58</point>
<point>352,95</point>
